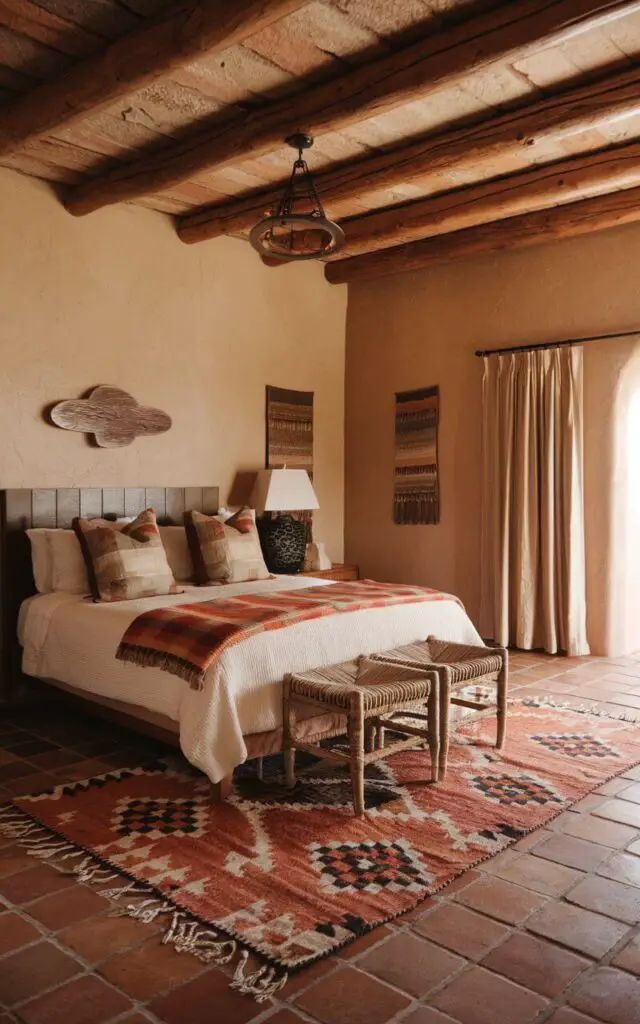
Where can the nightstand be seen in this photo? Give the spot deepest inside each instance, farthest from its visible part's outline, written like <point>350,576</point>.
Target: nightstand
<point>338,571</point>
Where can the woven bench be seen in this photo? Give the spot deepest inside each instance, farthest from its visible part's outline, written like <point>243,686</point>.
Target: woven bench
<point>457,666</point>
<point>371,695</point>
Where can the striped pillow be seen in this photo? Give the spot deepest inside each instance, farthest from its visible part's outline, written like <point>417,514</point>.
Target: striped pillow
<point>125,563</point>
<point>225,551</point>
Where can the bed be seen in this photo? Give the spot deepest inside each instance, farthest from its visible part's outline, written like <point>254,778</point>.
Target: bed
<point>69,641</point>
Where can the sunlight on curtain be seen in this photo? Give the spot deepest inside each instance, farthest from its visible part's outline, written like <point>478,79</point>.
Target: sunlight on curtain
<point>631,518</point>
<point>532,564</point>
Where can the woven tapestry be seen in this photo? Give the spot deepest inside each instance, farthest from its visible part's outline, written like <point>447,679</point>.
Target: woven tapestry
<point>290,429</point>
<point>416,496</point>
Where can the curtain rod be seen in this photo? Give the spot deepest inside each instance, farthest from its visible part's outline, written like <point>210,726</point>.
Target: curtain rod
<point>556,344</point>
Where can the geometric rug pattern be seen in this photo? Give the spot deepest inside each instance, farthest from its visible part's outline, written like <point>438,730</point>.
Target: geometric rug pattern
<point>292,874</point>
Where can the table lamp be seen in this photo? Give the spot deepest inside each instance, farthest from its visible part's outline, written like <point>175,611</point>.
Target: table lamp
<point>283,538</point>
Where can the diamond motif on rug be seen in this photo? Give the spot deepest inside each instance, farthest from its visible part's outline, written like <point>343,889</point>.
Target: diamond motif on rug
<point>370,866</point>
<point>518,790</point>
<point>293,874</point>
<point>575,744</point>
<point>154,818</point>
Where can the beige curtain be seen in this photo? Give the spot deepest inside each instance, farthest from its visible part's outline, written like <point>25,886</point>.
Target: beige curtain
<point>532,559</point>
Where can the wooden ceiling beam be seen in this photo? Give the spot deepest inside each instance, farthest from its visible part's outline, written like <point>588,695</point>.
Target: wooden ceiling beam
<point>580,218</point>
<point>181,34</point>
<point>574,111</point>
<point>565,181</point>
<point>368,90</point>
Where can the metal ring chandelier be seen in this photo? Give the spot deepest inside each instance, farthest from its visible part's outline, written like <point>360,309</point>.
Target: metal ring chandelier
<point>298,229</point>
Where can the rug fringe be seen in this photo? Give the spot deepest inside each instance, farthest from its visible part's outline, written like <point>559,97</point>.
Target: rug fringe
<point>189,936</point>
<point>148,910</point>
<point>21,828</point>
<point>130,889</point>
<point>46,848</point>
<point>73,854</point>
<point>185,933</point>
<point>262,984</point>
<point>91,870</point>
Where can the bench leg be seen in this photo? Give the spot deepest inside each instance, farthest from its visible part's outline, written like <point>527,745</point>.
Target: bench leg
<point>445,709</point>
<point>290,767</point>
<point>371,738</point>
<point>219,791</point>
<point>503,685</point>
<point>433,723</point>
<point>356,748</point>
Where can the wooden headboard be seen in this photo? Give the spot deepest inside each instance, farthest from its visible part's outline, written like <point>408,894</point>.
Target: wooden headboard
<point>56,507</point>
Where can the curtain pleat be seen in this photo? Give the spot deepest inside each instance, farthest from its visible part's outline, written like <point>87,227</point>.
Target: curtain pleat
<point>532,547</point>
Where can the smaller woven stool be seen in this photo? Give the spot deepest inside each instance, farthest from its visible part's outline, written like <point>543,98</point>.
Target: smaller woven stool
<point>457,666</point>
<point>371,695</point>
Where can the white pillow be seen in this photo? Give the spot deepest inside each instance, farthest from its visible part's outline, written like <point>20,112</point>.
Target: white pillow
<point>68,569</point>
<point>58,565</point>
<point>40,559</point>
<point>174,539</point>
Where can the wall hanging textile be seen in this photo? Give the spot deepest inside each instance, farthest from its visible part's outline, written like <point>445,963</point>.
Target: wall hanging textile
<point>290,436</point>
<point>416,495</point>
<point>532,548</point>
<point>289,429</point>
<point>112,415</point>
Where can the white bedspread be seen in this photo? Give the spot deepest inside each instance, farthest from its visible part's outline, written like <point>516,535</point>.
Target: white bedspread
<point>73,640</point>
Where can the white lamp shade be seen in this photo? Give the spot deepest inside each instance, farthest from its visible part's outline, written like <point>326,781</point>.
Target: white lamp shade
<point>283,490</point>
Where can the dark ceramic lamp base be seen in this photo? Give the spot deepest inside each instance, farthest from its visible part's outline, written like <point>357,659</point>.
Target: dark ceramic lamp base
<point>284,543</point>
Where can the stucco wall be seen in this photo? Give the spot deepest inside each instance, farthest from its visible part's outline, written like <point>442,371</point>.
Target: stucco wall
<point>116,298</point>
<point>420,329</point>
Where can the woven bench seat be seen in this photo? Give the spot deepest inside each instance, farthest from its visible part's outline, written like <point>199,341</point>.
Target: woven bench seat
<point>372,695</point>
<point>457,665</point>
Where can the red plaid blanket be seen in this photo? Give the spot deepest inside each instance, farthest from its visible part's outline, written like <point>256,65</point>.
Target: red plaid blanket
<point>185,639</point>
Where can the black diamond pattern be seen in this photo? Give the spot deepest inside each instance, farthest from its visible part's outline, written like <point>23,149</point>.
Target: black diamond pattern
<point>165,816</point>
<point>520,790</point>
<point>575,745</point>
<point>362,865</point>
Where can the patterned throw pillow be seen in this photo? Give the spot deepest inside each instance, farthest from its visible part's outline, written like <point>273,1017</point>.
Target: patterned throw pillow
<point>127,563</point>
<point>225,551</point>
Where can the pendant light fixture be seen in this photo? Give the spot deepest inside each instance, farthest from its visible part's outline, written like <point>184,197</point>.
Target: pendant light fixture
<point>298,229</point>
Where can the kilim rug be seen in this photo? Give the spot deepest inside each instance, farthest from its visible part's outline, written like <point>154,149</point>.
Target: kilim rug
<point>293,875</point>
<point>416,493</point>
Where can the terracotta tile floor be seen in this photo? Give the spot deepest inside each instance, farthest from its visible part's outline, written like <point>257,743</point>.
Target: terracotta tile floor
<point>549,931</point>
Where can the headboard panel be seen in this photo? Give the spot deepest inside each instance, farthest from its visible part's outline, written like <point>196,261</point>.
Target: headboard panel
<point>56,507</point>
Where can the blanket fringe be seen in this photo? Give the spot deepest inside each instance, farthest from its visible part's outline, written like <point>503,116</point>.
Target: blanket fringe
<point>185,933</point>
<point>146,657</point>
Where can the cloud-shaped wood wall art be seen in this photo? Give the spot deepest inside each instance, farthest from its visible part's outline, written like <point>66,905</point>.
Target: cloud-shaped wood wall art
<point>113,416</point>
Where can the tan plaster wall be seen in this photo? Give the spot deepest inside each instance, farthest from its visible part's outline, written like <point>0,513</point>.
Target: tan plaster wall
<point>116,298</point>
<point>420,329</point>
